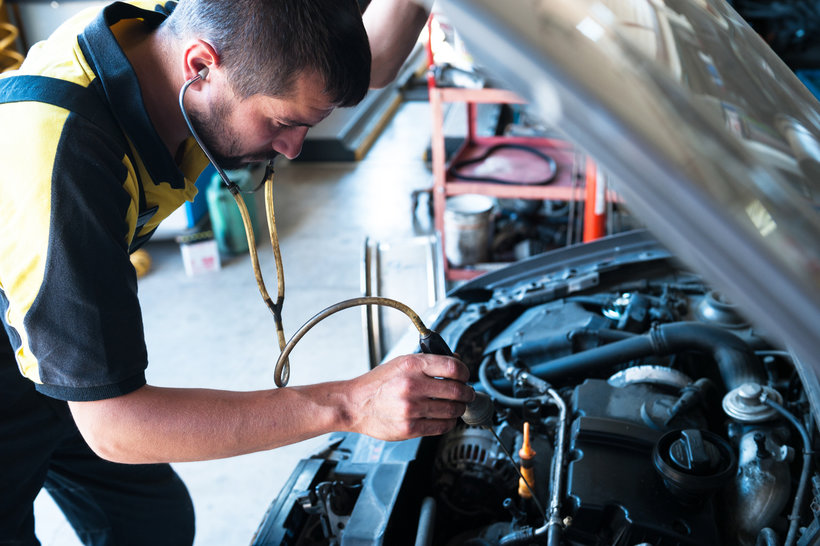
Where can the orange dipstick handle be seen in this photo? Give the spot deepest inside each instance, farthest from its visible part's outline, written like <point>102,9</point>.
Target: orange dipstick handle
<point>527,455</point>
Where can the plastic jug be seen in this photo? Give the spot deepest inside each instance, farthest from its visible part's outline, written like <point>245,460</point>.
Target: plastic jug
<point>226,220</point>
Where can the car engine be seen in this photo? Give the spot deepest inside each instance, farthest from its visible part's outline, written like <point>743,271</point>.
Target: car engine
<point>632,405</point>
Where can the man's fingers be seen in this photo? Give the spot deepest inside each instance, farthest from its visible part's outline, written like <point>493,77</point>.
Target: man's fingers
<point>433,427</point>
<point>443,366</point>
<point>447,389</point>
<point>440,409</point>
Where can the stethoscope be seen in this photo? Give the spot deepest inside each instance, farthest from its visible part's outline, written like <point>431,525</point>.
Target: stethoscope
<point>429,340</point>
<point>201,75</point>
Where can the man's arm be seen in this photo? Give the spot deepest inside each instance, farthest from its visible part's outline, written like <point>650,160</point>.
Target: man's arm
<point>393,27</point>
<point>415,395</point>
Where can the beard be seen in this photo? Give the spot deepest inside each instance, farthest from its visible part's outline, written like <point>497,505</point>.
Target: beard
<point>218,137</point>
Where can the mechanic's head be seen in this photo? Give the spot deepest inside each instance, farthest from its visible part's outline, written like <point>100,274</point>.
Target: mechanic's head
<point>274,69</point>
<point>265,45</point>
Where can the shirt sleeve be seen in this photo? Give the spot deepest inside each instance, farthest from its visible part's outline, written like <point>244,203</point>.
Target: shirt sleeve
<point>81,338</point>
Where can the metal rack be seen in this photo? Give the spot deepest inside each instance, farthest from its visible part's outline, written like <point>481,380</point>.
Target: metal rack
<point>567,184</point>
<point>576,175</point>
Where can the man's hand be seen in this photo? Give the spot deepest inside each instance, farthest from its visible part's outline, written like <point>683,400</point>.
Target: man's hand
<point>410,396</point>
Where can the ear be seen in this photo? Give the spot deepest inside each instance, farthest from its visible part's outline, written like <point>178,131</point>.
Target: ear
<point>199,57</point>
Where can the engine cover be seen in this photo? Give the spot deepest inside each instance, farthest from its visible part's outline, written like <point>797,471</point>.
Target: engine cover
<point>615,493</point>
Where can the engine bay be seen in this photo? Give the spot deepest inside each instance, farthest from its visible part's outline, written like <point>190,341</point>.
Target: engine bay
<point>632,405</point>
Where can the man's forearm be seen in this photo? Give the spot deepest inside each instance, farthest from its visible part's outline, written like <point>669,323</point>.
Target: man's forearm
<point>413,395</point>
<point>156,424</point>
<point>393,27</point>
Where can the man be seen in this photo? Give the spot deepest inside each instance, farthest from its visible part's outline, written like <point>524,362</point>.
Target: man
<point>94,152</point>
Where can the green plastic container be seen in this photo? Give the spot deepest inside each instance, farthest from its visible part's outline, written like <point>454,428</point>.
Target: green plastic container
<point>226,220</point>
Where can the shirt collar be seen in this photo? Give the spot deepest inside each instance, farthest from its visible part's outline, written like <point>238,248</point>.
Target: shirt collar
<point>122,91</point>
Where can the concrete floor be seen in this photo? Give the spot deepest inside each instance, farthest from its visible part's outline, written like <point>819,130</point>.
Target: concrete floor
<point>214,331</point>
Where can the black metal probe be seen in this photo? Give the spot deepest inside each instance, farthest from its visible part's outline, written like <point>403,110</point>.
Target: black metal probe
<point>479,412</point>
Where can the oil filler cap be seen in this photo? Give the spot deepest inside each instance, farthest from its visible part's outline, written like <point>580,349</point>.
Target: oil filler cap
<point>690,453</point>
<point>693,463</point>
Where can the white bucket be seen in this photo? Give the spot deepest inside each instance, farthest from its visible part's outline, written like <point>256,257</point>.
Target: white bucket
<point>467,229</point>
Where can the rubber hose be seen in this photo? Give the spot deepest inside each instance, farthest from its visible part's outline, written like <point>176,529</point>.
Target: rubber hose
<point>279,373</point>
<point>735,360</point>
<point>541,347</point>
<point>794,517</point>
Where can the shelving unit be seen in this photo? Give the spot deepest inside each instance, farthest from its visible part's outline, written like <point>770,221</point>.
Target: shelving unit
<point>576,175</point>
<point>567,184</point>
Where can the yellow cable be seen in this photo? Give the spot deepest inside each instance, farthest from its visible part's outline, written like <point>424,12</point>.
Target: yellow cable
<point>282,373</point>
<point>10,59</point>
<point>282,370</point>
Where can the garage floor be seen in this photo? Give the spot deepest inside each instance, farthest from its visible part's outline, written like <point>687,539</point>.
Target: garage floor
<point>214,331</point>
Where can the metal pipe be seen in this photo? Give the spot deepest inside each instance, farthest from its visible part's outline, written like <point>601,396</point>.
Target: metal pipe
<point>512,372</point>
<point>554,523</point>
<point>760,491</point>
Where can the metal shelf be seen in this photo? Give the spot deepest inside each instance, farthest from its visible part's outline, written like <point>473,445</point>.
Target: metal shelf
<point>522,169</point>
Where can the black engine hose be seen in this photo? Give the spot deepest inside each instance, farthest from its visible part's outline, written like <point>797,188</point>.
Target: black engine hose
<point>537,348</point>
<point>735,359</point>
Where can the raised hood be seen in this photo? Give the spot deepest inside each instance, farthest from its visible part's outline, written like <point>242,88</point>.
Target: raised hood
<point>710,138</point>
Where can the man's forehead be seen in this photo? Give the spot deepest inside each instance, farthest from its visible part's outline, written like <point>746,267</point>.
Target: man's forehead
<point>297,109</point>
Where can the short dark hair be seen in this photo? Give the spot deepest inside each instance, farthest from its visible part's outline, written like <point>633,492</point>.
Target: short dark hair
<point>264,45</point>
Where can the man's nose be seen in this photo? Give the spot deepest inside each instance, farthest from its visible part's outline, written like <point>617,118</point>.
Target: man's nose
<point>289,142</point>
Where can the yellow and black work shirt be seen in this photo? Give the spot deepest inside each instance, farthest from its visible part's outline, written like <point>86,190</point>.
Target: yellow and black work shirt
<point>84,179</point>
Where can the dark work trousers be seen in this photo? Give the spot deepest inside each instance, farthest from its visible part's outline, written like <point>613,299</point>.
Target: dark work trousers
<point>106,503</point>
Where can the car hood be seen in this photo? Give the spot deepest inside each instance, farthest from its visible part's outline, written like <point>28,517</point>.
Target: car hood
<point>707,135</point>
